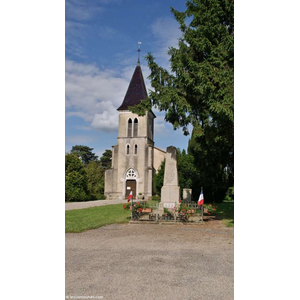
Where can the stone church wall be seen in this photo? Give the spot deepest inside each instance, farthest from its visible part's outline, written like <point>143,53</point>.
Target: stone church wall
<point>159,156</point>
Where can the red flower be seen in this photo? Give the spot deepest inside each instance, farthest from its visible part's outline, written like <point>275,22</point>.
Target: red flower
<point>179,200</point>
<point>138,203</point>
<point>209,213</point>
<point>213,209</point>
<point>124,206</point>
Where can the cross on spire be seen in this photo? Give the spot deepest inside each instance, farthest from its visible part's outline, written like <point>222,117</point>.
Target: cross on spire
<point>139,50</point>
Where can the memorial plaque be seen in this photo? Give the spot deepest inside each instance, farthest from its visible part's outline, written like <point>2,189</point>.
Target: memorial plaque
<point>169,205</point>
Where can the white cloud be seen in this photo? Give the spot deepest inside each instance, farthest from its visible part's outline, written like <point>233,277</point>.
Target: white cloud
<point>94,94</point>
<point>108,119</point>
<point>161,129</point>
<point>76,34</point>
<point>166,32</point>
<point>80,69</point>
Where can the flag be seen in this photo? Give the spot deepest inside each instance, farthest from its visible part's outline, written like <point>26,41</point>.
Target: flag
<point>130,196</point>
<point>201,198</point>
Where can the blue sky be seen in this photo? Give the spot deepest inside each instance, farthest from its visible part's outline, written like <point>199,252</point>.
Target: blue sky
<point>101,55</point>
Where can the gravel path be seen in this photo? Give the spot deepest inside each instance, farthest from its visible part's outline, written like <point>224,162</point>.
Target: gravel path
<point>148,261</point>
<point>86,204</point>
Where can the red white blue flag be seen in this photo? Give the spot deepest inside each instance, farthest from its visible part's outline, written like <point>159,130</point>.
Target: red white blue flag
<point>201,198</point>
<point>130,196</point>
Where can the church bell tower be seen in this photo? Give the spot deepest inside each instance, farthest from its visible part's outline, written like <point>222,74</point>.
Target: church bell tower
<point>132,157</point>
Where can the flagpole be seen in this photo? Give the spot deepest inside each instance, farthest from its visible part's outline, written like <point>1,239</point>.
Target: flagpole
<point>202,205</point>
<point>131,203</point>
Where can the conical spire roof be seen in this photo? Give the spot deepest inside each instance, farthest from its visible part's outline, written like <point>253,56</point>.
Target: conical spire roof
<point>136,91</point>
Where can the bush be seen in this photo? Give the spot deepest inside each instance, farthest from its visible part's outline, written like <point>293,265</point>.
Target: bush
<point>139,205</point>
<point>75,194</point>
<point>230,195</point>
<point>156,198</point>
<point>97,197</point>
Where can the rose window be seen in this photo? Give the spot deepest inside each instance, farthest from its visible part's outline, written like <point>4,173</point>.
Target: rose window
<point>131,174</point>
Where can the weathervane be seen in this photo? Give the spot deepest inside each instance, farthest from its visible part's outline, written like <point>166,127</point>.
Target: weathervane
<point>139,50</point>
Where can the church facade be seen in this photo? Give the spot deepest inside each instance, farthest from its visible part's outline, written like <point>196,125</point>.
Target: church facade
<point>134,158</point>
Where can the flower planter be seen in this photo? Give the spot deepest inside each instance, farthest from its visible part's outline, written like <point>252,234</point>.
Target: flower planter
<point>194,219</point>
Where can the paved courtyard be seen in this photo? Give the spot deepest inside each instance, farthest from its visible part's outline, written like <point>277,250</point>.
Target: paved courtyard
<point>148,261</point>
<point>86,204</point>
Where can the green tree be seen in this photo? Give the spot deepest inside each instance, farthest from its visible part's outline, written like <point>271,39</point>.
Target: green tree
<point>95,179</point>
<point>188,175</point>
<point>199,89</point>
<point>84,153</point>
<point>214,159</point>
<point>75,179</point>
<point>158,178</point>
<point>105,159</point>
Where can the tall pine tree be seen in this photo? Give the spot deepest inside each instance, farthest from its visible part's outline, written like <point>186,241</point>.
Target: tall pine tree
<point>199,89</point>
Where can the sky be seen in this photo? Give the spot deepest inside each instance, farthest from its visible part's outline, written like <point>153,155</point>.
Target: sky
<point>100,57</point>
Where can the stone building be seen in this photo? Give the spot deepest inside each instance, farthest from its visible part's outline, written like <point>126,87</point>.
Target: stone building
<point>134,158</point>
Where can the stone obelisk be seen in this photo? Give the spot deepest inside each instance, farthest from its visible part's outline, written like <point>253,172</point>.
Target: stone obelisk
<point>170,192</point>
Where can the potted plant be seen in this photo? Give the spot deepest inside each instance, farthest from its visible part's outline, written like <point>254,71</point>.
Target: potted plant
<point>166,215</point>
<point>184,212</point>
<point>147,210</point>
<point>139,206</point>
<point>209,209</point>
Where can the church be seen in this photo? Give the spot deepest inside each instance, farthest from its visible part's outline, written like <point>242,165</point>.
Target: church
<point>134,158</point>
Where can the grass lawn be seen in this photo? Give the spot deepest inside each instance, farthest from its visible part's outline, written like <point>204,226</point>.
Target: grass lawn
<point>79,220</point>
<point>225,211</point>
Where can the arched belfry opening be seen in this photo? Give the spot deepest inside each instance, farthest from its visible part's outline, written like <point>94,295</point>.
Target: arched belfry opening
<point>129,128</point>
<point>135,127</point>
<point>131,182</point>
